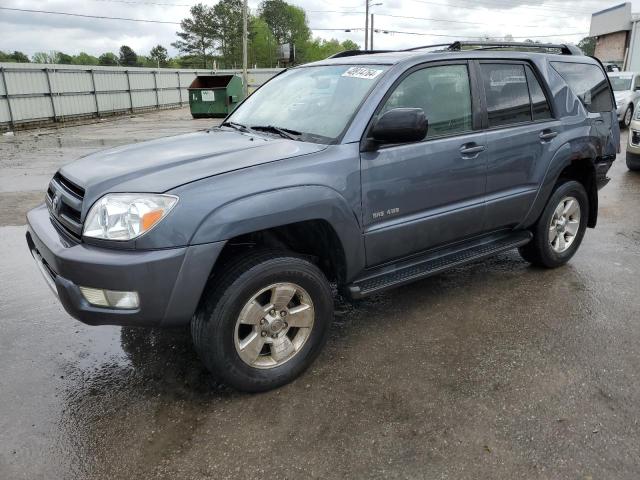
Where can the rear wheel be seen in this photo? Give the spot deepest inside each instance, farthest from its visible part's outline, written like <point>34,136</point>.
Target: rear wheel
<point>561,227</point>
<point>263,321</point>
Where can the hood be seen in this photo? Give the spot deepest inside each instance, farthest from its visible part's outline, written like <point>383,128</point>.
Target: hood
<point>621,94</point>
<point>160,165</point>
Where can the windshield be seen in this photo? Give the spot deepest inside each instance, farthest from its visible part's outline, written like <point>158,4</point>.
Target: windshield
<point>314,103</point>
<point>620,83</point>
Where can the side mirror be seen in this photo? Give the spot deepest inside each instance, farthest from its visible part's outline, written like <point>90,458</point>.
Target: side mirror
<point>400,125</point>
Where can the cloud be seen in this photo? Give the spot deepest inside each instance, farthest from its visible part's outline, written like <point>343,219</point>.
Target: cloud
<point>32,32</point>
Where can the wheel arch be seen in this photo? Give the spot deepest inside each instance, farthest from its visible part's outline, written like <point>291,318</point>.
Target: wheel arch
<point>311,219</point>
<point>573,161</point>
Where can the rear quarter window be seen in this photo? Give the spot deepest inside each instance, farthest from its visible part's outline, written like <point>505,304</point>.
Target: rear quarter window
<point>589,83</point>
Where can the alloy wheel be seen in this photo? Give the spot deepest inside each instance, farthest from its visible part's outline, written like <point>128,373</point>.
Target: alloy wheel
<point>565,224</point>
<point>274,325</point>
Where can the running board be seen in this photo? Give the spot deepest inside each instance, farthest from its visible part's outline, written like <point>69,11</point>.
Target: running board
<point>400,273</point>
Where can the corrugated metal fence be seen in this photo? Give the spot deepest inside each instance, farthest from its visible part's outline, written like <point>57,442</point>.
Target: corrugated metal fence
<point>34,94</point>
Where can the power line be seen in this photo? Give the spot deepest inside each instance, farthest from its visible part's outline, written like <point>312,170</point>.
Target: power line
<point>144,20</point>
<point>384,30</point>
<point>453,21</point>
<point>508,4</point>
<point>129,2</point>
<point>101,17</point>
<point>505,7</point>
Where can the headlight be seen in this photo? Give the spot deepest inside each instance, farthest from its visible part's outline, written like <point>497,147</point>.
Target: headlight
<point>124,216</point>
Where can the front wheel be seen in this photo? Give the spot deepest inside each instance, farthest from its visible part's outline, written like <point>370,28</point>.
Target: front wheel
<point>628,115</point>
<point>263,321</point>
<point>561,227</point>
<point>633,162</point>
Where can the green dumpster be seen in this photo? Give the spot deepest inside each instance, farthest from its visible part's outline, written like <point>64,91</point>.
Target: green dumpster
<point>214,95</point>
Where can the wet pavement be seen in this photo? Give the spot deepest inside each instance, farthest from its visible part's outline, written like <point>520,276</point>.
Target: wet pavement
<point>493,370</point>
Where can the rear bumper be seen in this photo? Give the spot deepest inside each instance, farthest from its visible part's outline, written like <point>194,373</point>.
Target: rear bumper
<point>169,282</point>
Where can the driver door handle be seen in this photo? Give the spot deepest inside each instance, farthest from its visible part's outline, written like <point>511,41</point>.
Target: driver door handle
<point>471,150</point>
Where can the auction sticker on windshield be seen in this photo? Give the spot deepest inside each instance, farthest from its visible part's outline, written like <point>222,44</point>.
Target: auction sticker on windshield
<point>362,72</point>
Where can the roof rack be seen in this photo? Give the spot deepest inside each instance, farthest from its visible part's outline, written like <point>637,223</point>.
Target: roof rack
<point>564,48</point>
<point>353,53</point>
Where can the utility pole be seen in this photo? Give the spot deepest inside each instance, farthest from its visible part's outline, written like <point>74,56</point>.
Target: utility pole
<point>366,24</point>
<point>245,85</point>
<point>371,41</point>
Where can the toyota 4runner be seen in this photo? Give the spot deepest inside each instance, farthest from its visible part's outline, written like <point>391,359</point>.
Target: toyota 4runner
<point>367,170</point>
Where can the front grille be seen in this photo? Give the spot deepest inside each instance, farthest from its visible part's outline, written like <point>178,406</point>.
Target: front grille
<point>69,186</point>
<point>64,201</point>
<point>635,137</point>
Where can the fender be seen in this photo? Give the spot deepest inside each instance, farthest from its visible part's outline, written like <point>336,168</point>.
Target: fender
<point>284,206</point>
<point>581,149</point>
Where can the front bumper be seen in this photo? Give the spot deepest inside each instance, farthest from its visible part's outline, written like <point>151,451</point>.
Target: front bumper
<point>169,282</point>
<point>633,145</point>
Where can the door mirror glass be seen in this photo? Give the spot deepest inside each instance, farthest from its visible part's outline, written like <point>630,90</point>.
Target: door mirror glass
<point>400,125</point>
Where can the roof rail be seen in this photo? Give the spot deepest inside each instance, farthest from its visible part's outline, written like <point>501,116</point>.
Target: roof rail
<point>564,48</point>
<point>353,53</point>
<point>426,46</point>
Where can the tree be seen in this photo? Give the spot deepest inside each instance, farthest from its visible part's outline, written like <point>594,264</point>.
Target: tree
<point>159,55</point>
<point>65,59</point>
<point>84,59</point>
<point>350,45</point>
<point>44,57</point>
<point>262,43</point>
<point>108,59</point>
<point>15,57</point>
<point>128,57</point>
<point>287,22</point>
<point>40,57</point>
<point>187,61</point>
<point>198,33</point>
<point>227,18</point>
<point>587,45</point>
<point>19,57</point>
<point>148,62</point>
<point>319,49</point>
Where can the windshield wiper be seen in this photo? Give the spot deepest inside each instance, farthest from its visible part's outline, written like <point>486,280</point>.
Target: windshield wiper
<point>237,126</point>
<point>283,132</point>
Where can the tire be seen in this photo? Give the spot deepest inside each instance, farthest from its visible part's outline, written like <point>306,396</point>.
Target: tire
<point>219,335</point>
<point>627,117</point>
<point>633,162</point>
<point>540,251</point>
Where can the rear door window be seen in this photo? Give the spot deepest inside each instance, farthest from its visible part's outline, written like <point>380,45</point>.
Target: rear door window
<point>539,104</point>
<point>589,83</point>
<point>505,87</point>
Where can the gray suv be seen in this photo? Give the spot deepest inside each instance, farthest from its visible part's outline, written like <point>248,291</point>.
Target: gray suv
<point>359,173</point>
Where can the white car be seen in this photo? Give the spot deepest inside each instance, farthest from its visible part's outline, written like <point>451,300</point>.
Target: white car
<point>626,89</point>
<point>633,143</point>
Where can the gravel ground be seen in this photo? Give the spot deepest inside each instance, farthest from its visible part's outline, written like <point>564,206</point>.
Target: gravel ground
<point>493,370</point>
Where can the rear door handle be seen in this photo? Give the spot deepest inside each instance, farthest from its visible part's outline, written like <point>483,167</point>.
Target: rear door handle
<point>547,135</point>
<point>471,150</point>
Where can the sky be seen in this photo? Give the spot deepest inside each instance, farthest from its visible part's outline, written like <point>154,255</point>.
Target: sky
<point>437,21</point>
